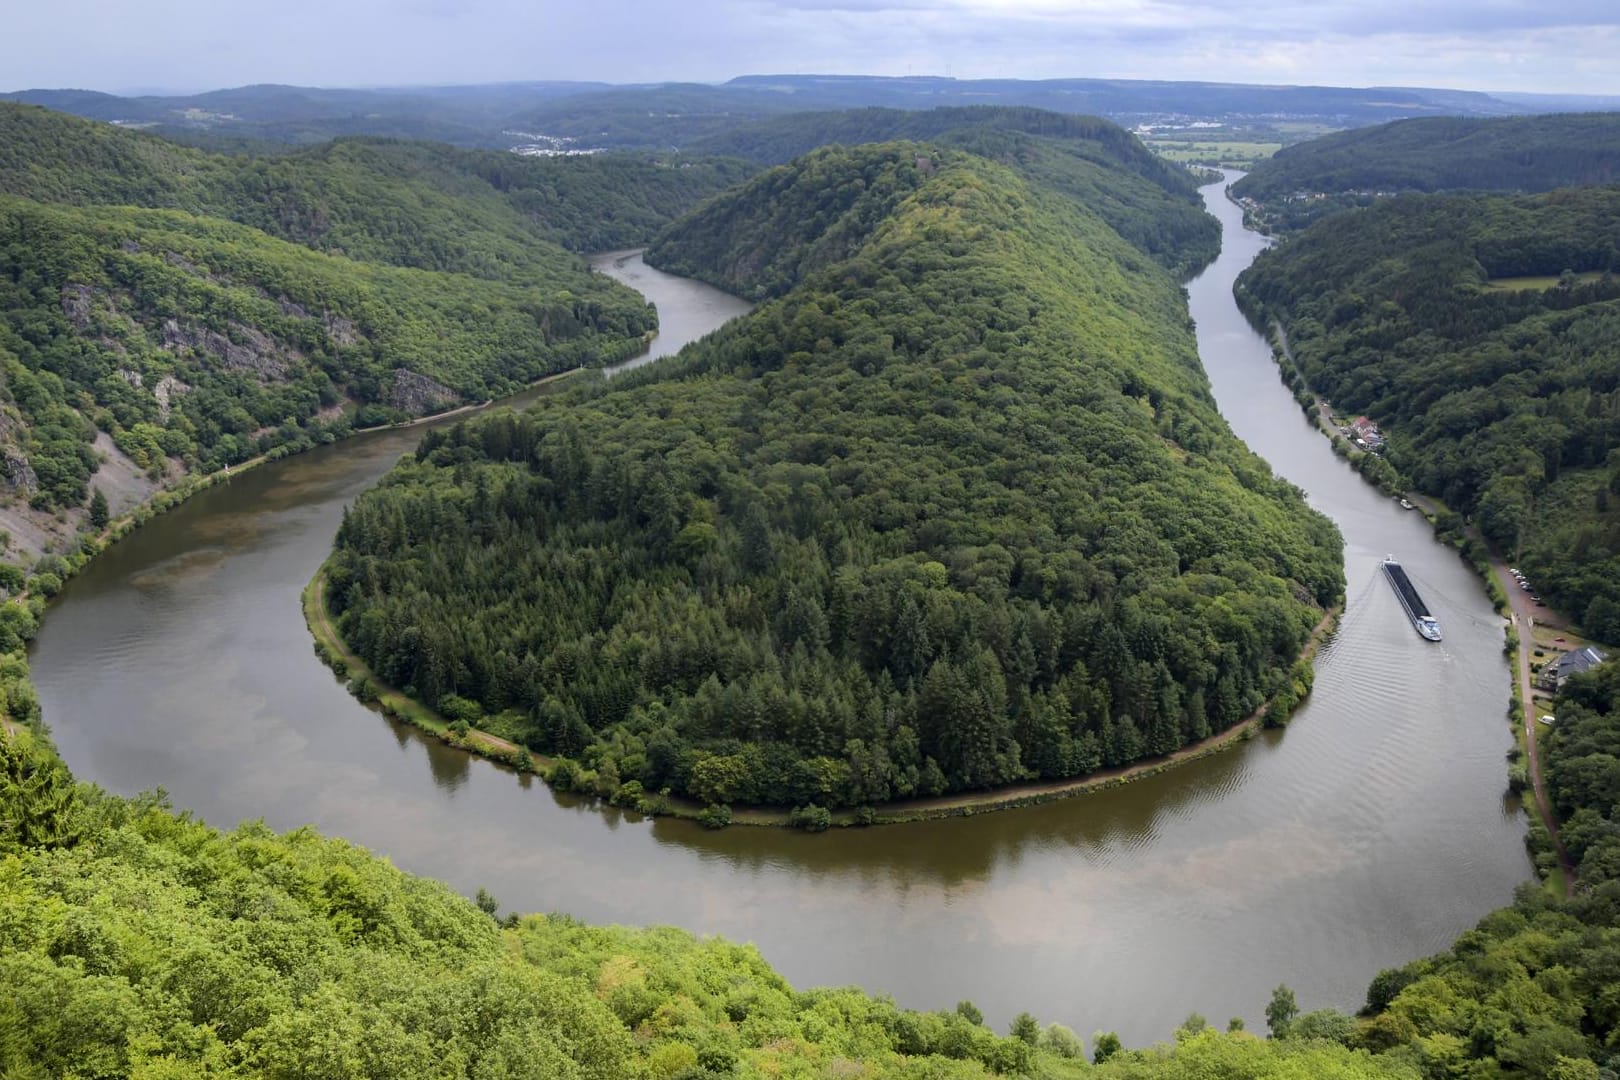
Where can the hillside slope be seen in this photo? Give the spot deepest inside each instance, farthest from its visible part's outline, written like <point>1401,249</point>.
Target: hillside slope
<point>425,205</point>
<point>1448,153</point>
<point>165,310</point>
<point>1147,200</point>
<point>957,509</point>
<point>1499,391</point>
<point>136,942</point>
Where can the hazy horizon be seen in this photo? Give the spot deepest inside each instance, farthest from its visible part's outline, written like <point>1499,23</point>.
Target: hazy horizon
<point>190,46</point>
<point>405,87</point>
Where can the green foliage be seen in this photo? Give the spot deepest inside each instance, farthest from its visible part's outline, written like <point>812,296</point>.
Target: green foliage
<point>159,947</point>
<point>98,509</point>
<point>205,308</point>
<point>39,803</point>
<point>811,818</point>
<point>1150,202</point>
<point>1581,757</point>
<point>1446,153</point>
<point>1213,1056</point>
<point>1532,990</point>
<point>494,215</point>
<point>955,511</point>
<point>715,816</point>
<point>1503,404</point>
<point>1281,1011</point>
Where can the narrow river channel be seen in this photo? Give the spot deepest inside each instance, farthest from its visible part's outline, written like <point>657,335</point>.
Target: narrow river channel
<point>1369,832</point>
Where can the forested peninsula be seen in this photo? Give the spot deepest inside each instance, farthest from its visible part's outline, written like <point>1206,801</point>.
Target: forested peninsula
<point>955,510</point>
<point>1451,321</point>
<point>165,310</point>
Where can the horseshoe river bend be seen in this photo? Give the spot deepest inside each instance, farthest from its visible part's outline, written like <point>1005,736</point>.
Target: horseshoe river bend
<point>1370,831</point>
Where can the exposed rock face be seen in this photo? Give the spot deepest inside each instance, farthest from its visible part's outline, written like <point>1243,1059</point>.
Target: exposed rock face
<point>165,390</point>
<point>174,258</point>
<point>288,307</point>
<point>339,329</point>
<point>416,394</point>
<point>254,350</point>
<point>78,302</point>
<point>18,471</point>
<point>132,377</point>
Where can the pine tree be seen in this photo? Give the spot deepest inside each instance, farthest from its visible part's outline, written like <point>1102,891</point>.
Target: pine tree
<point>98,509</point>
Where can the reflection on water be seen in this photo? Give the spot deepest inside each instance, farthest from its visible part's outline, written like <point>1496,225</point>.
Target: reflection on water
<point>1370,831</point>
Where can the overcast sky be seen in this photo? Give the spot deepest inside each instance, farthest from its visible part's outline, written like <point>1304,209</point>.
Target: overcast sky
<point>1564,46</point>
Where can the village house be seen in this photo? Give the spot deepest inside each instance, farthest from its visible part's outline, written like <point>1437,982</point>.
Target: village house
<point>1366,433</point>
<point>1554,673</point>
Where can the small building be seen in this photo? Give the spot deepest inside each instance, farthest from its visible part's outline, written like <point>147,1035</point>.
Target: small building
<point>1553,674</point>
<point>1366,433</point>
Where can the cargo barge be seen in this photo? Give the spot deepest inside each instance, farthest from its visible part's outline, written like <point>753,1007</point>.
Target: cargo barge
<point>1416,610</point>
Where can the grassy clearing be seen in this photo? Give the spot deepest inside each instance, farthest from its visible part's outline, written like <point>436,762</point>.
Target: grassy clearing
<point>1237,153</point>
<point>1539,283</point>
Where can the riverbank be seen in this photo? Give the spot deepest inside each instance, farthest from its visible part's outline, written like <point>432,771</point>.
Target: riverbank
<point>1493,572</point>
<point>372,690</point>
<point>35,595</point>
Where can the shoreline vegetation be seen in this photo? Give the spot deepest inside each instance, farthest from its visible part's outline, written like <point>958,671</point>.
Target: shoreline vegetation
<point>19,707</point>
<point>395,705</point>
<point>1488,564</point>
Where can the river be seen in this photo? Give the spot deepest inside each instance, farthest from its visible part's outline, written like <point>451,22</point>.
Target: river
<point>1369,832</point>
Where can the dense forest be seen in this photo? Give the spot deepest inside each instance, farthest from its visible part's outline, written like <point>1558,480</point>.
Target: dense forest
<point>137,942</point>
<point>202,308</point>
<point>1145,199</point>
<point>423,205</point>
<point>1520,154</point>
<point>955,510</point>
<point>1447,153</point>
<point>1501,399</point>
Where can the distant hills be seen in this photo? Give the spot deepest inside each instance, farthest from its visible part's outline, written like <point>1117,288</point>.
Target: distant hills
<point>673,114</point>
<point>1519,153</point>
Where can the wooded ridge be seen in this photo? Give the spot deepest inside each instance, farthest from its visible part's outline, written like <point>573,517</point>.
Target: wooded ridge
<point>1448,319</point>
<point>955,510</point>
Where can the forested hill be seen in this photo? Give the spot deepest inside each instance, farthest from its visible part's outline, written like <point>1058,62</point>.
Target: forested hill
<point>954,511</point>
<point>137,942</point>
<point>1499,390</point>
<point>424,205</point>
<point>1447,153</point>
<point>1149,201</point>
<point>167,309</point>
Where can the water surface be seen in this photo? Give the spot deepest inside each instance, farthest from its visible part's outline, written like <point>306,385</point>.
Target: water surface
<point>1370,832</point>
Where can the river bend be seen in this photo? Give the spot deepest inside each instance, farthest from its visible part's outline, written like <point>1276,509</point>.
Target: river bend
<point>1369,832</point>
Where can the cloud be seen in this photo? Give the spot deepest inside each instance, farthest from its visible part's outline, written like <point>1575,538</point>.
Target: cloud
<point>1480,44</point>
